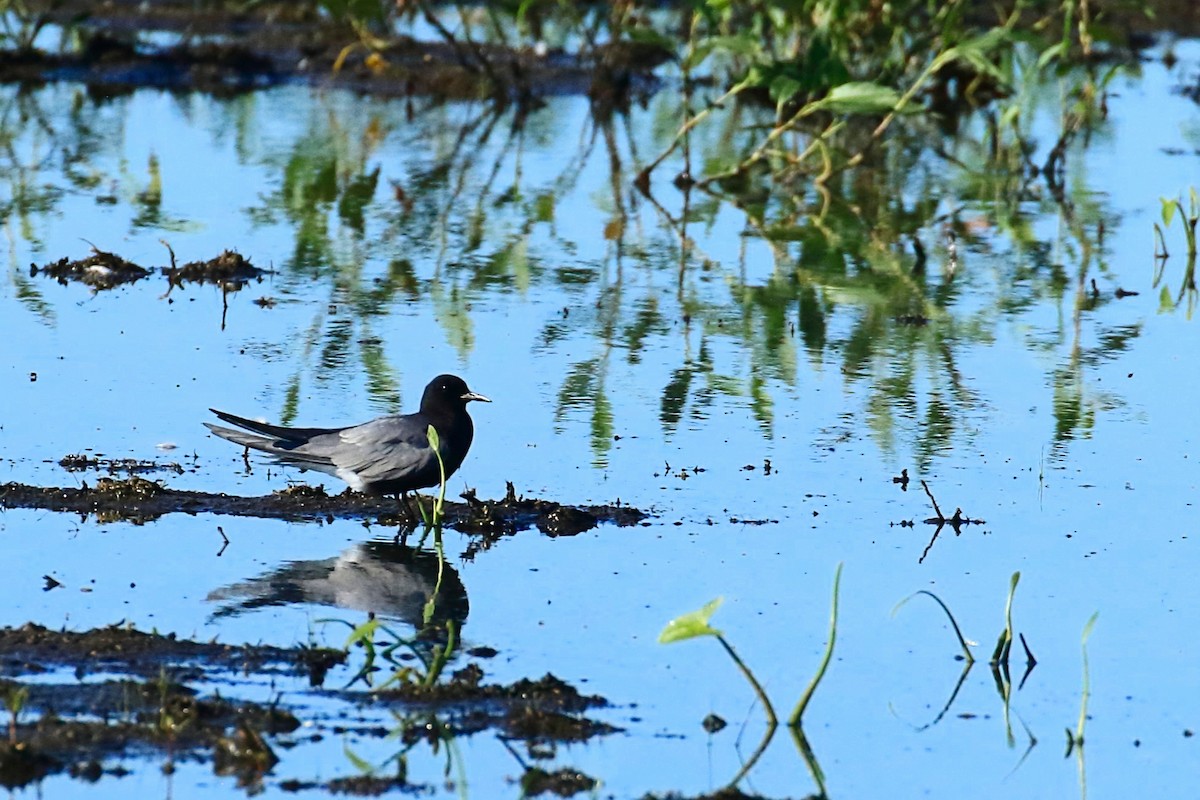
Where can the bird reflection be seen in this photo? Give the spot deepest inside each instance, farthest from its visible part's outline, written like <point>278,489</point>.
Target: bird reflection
<point>389,579</point>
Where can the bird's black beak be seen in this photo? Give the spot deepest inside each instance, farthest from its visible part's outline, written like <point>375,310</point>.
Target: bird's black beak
<point>469,396</point>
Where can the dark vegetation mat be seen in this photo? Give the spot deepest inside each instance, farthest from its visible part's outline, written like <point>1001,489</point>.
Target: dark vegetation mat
<point>145,708</point>
<point>136,499</point>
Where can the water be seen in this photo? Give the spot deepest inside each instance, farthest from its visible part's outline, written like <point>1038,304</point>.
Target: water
<point>619,362</point>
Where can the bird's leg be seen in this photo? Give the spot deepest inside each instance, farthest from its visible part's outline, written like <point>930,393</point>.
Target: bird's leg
<point>413,516</point>
<point>406,525</point>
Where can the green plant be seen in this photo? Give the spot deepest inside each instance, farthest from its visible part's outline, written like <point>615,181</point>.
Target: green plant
<point>430,663</point>
<point>822,62</point>
<point>438,512</point>
<point>802,704</point>
<point>1170,207</point>
<point>1004,642</point>
<point>963,643</point>
<point>1000,655</point>
<point>694,624</point>
<point>1188,219</point>
<point>14,697</point>
<point>1075,740</point>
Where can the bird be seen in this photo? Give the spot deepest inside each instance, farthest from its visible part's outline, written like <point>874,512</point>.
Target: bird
<point>389,455</point>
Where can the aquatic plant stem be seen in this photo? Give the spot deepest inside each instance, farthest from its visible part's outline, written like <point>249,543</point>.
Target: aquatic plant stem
<point>1087,681</point>
<point>962,641</point>
<point>1004,644</point>
<point>772,720</point>
<point>644,176</point>
<point>442,655</point>
<point>794,720</point>
<point>438,512</point>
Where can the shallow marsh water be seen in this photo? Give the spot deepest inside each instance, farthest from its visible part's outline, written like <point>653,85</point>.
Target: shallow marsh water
<point>618,366</point>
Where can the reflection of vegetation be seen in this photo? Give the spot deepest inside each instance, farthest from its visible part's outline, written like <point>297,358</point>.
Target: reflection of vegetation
<point>1188,219</point>
<point>20,24</point>
<point>881,273</point>
<point>823,63</point>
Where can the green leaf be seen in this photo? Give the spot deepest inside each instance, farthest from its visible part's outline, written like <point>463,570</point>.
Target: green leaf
<point>745,45</point>
<point>784,87</point>
<point>364,633</point>
<point>858,97</point>
<point>1168,210</point>
<point>1050,53</point>
<point>1165,303</point>
<point>1087,629</point>
<point>543,207</point>
<point>434,440</point>
<point>691,624</point>
<point>651,37</point>
<point>359,763</point>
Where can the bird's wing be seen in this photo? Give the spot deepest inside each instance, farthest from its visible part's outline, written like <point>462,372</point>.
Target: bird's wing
<point>384,449</point>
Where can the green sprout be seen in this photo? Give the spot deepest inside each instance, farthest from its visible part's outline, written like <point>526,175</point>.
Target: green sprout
<point>14,696</point>
<point>694,624</point>
<point>963,643</point>
<point>439,506</point>
<point>370,637</point>
<point>1004,643</point>
<point>1075,740</point>
<point>798,712</point>
<point>1189,220</point>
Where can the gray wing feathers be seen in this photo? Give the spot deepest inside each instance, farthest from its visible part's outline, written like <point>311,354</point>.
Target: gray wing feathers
<point>382,449</point>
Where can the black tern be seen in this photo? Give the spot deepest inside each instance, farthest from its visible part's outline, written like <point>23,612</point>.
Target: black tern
<point>389,455</point>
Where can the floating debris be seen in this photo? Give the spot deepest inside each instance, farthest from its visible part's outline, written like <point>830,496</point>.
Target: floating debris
<point>101,270</point>
<point>230,270</point>
<point>78,462</point>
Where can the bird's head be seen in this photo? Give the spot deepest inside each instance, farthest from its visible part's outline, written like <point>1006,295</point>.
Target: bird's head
<point>448,391</point>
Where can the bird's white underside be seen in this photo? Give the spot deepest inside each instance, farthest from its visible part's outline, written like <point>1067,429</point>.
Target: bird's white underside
<point>352,478</point>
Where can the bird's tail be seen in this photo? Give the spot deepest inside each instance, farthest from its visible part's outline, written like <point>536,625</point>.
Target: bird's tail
<point>268,444</point>
<point>293,435</point>
<point>283,443</point>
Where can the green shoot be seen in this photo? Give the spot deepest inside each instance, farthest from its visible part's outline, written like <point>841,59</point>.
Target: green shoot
<point>962,641</point>
<point>439,512</point>
<point>695,624</point>
<point>14,697</point>
<point>1189,219</point>
<point>1004,643</point>
<point>441,654</point>
<point>1076,739</point>
<point>439,507</point>
<point>794,720</point>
